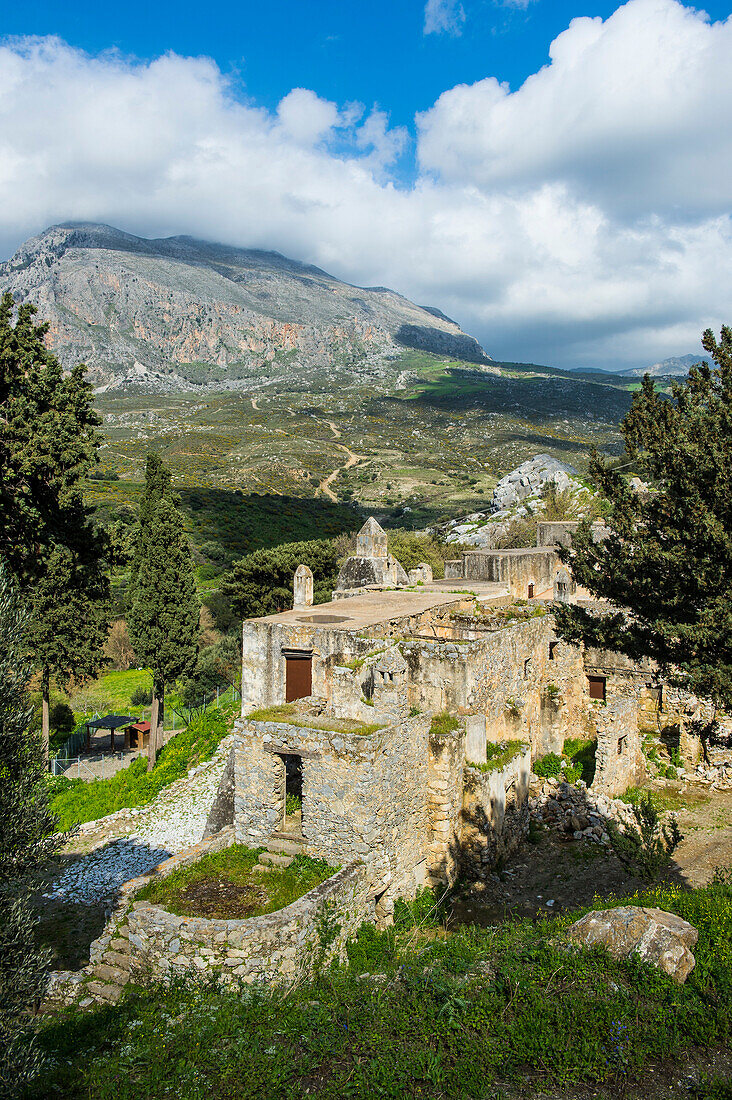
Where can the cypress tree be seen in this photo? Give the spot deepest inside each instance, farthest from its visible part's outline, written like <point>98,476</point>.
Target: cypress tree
<point>48,443</point>
<point>27,840</point>
<point>667,565</point>
<point>163,623</point>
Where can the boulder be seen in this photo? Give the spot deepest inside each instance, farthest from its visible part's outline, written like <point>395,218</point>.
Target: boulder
<point>660,938</point>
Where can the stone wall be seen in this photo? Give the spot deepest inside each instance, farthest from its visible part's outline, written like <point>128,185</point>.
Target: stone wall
<point>364,796</point>
<point>619,756</point>
<point>495,813</point>
<point>502,678</point>
<point>444,806</point>
<point>516,569</point>
<point>143,939</point>
<point>277,947</point>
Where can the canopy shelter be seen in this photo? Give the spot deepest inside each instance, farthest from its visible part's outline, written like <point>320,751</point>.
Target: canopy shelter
<point>112,722</point>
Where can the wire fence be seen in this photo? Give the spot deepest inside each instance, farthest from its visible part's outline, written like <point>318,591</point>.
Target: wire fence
<point>99,766</point>
<point>68,755</point>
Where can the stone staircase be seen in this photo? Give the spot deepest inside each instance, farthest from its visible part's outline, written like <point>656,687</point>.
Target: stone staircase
<point>280,851</point>
<point>109,969</point>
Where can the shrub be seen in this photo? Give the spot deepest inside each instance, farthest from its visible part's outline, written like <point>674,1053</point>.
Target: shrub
<point>647,847</point>
<point>141,697</point>
<point>548,766</point>
<point>62,718</point>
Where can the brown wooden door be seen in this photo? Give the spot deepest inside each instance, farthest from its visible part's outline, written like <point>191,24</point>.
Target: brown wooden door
<point>298,676</point>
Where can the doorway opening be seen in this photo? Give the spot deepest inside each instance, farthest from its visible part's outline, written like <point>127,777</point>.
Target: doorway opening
<point>292,818</point>
<point>298,674</point>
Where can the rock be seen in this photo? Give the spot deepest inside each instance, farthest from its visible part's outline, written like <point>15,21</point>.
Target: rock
<point>660,938</point>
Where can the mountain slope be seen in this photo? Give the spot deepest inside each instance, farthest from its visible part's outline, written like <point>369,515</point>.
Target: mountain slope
<point>677,364</point>
<point>177,312</point>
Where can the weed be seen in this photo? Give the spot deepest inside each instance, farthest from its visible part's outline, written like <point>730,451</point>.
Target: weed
<point>443,724</point>
<point>647,847</point>
<point>548,766</point>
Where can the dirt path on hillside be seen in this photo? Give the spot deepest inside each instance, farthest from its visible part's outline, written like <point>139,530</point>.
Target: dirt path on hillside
<point>352,460</point>
<point>255,403</point>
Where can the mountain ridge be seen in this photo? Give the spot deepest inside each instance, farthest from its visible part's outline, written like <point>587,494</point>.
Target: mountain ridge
<point>178,312</point>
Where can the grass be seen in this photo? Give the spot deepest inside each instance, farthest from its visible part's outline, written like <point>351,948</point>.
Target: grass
<point>501,753</point>
<point>75,800</point>
<point>289,714</point>
<point>443,724</point>
<point>261,891</point>
<point>458,1015</point>
<point>671,799</point>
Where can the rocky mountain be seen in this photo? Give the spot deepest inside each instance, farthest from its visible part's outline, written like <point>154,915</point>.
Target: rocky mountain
<point>176,313</point>
<point>677,364</point>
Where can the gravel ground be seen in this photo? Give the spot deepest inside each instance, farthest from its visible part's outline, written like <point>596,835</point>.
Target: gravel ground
<point>132,842</point>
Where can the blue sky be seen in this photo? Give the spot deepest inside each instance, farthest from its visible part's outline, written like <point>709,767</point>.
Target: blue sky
<point>562,188</point>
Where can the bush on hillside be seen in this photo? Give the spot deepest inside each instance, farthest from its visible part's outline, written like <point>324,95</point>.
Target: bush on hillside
<point>411,549</point>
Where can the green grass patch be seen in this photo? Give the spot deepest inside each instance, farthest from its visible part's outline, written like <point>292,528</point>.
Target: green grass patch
<point>670,799</point>
<point>205,888</point>
<point>456,1015</point>
<point>75,800</point>
<point>442,724</point>
<point>499,754</point>
<point>288,714</point>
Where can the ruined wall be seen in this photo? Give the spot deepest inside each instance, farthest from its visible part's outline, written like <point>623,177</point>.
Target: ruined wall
<point>495,813</point>
<point>619,756</point>
<point>516,569</point>
<point>364,795</point>
<point>444,806</point>
<point>503,678</point>
<point>276,947</point>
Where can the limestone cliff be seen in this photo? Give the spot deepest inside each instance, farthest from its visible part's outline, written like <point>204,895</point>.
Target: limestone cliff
<point>180,312</point>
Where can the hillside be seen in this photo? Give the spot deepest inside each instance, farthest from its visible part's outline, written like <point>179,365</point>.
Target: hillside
<point>677,364</point>
<point>177,313</point>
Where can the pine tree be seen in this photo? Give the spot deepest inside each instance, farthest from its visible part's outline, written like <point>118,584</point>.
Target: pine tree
<point>163,621</point>
<point>48,443</point>
<point>668,560</point>
<point>27,840</point>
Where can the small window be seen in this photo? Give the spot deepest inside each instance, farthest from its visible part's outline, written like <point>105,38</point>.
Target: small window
<point>527,667</point>
<point>621,746</point>
<point>552,649</point>
<point>597,687</point>
<point>531,591</point>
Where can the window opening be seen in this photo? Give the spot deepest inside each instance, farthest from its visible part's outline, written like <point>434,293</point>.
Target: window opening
<point>552,647</point>
<point>597,687</point>
<point>531,591</point>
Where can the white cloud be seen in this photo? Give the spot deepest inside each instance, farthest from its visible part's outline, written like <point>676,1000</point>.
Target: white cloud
<point>305,117</point>
<point>444,17</point>
<point>583,218</point>
<point>632,113</point>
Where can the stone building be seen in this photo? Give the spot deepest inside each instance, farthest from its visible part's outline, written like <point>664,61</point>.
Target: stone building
<point>357,682</point>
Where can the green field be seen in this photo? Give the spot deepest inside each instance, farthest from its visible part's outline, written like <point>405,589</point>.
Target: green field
<point>428,438</point>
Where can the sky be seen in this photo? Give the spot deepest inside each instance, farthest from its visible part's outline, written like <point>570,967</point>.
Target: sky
<point>555,175</point>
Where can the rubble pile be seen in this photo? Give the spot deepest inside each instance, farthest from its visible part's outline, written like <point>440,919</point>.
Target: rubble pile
<point>575,810</point>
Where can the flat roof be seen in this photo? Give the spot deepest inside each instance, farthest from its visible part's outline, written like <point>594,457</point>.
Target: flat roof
<point>378,606</point>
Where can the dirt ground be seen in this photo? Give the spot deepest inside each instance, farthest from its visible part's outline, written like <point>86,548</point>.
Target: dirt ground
<point>558,873</point>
